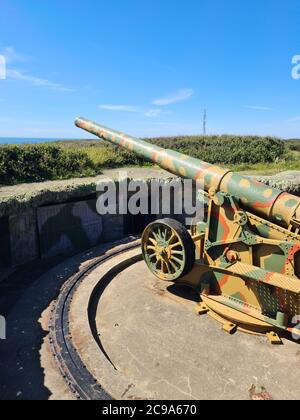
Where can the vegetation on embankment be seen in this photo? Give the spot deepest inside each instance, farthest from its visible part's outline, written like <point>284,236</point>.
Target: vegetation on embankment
<point>35,163</point>
<point>67,159</point>
<point>294,144</point>
<point>255,155</point>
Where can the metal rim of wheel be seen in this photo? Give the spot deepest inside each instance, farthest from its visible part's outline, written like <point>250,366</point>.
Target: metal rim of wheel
<point>168,249</point>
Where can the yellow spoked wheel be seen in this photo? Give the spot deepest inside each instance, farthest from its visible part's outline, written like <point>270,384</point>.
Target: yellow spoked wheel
<point>168,249</point>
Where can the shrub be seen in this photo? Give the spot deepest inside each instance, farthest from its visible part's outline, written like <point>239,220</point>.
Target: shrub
<point>109,156</point>
<point>294,144</point>
<point>34,163</point>
<point>228,150</point>
<point>222,150</point>
<point>63,160</point>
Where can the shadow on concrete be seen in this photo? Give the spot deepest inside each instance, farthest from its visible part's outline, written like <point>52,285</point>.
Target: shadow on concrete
<point>25,297</point>
<point>184,292</point>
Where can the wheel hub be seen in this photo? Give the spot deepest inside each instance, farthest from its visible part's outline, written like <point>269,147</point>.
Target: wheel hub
<point>165,250</point>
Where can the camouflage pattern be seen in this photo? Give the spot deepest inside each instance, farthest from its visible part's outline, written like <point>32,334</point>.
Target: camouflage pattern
<point>261,199</point>
<point>247,267</point>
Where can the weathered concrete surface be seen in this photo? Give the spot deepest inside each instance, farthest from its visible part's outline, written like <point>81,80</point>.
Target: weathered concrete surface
<point>286,181</point>
<point>115,382</point>
<point>153,337</point>
<point>113,227</point>
<point>151,334</point>
<point>27,369</point>
<point>68,228</point>
<point>18,198</point>
<point>23,238</point>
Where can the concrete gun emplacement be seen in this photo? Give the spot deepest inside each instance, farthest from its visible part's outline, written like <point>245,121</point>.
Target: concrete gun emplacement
<point>243,259</point>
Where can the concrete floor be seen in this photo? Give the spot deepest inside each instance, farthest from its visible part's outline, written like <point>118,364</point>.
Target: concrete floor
<point>27,369</point>
<point>157,346</point>
<point>152,335</point>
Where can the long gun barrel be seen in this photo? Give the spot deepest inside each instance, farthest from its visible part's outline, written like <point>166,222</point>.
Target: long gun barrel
<point>279,207</point>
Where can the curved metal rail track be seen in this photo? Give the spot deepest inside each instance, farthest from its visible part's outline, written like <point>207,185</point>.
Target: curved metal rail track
<point>81,382</point>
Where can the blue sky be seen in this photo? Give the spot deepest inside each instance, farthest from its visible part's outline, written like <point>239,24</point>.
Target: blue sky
<point>150,67</point>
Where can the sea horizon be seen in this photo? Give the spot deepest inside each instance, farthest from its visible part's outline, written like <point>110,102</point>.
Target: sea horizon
<point>33,140</point>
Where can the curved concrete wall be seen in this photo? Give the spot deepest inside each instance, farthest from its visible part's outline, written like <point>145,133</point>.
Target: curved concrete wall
<point>65,221</point>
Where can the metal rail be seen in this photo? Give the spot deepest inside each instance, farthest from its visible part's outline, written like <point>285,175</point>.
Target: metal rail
<point>80,381</point>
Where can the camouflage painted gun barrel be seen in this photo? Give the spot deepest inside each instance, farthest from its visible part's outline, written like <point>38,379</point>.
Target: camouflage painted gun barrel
<point>243,258</point>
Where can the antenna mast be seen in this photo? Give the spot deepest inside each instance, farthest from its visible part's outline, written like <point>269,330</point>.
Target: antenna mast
<point>204,122</point>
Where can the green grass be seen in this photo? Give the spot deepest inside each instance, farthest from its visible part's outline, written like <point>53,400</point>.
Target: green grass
<point>267,169</point>
<point>292,163</point>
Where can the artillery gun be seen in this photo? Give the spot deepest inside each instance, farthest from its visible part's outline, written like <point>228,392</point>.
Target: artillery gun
<point>243,259</point>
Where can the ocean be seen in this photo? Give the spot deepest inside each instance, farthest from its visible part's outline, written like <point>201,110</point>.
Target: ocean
<point>21,140</point>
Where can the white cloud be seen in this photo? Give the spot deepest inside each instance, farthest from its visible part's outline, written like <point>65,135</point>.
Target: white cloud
<point>11,56</point>
<point>153,113</point>
<point>258,108</point>
<point>36,81</point>
<point>294,119</point>
<point>179,96</point>
<point>122,108</point>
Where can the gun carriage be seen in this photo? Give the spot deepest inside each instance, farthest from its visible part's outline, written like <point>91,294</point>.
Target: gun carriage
<point>243,258</point>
